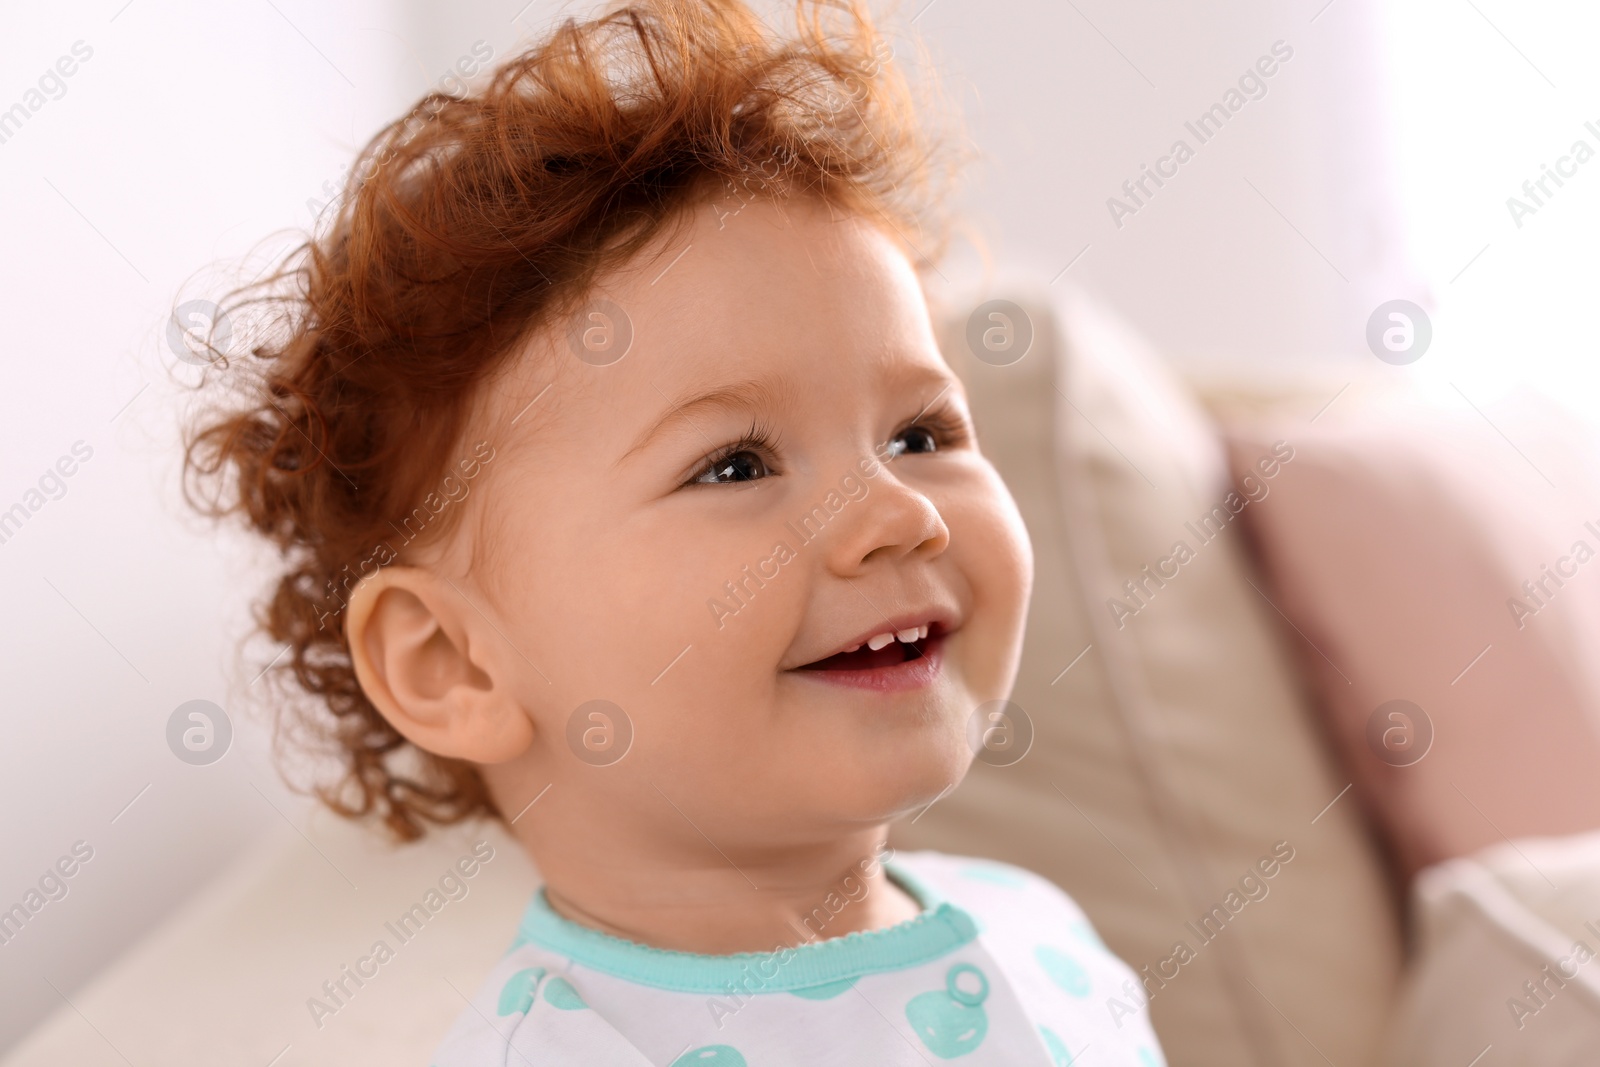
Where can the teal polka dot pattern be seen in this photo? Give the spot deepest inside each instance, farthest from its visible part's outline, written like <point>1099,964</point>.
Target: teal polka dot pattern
<point>951,1022</point>
<point>1059,1056</point>
<point>516,996</point>
<point>1148,1058</point>
<point>558,993</point>
<point>1064,971</point>
<point>825,991</point>
<point>711,1056</point>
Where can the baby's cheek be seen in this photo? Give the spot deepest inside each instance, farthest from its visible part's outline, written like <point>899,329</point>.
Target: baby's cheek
<point>989,527</point>
<point>992,550</point>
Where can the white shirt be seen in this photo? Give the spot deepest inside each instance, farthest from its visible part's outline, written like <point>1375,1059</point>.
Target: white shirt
<point>1000,969</point>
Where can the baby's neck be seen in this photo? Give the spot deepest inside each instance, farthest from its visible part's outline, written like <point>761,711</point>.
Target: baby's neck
<point>716,904</point>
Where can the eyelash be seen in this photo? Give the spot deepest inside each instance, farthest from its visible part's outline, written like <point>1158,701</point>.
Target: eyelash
<point>949,429</point>
<point>760,438</point>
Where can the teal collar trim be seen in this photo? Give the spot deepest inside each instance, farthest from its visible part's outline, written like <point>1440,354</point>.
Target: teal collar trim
<point>939,929</point>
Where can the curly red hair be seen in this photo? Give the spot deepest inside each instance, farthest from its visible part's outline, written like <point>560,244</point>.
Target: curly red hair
<point>464,226</point>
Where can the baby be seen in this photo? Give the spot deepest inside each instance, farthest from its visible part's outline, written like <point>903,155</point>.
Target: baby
<point>628,499</point>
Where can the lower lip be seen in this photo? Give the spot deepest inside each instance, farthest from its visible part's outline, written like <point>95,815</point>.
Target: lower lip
<point>918,673</point>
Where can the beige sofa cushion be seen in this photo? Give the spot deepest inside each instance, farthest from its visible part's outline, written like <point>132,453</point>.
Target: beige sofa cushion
<point>1507,946</point>
<point>229,980</point>
<point>1173,749</point>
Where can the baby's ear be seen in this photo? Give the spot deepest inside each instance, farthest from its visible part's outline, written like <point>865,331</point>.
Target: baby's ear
<point>429,661</point>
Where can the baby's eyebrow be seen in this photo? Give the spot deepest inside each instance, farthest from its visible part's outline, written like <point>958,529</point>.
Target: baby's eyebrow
<point>751,394</point>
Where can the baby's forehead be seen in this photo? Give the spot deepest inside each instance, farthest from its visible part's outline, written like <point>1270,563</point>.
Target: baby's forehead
<point>787,293</point>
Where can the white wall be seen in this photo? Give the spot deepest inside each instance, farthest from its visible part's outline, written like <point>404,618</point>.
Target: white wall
<point>1070,101</point>
<point>191,131</point>
<point>1484,99</point>
<point>1066,101</point>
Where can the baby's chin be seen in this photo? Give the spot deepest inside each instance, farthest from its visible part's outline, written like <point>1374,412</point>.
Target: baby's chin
<point>897,753</point>
<point>886,785</point>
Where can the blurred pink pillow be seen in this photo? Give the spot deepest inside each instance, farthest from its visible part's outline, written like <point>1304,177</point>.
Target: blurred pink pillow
<point>1435,562</point>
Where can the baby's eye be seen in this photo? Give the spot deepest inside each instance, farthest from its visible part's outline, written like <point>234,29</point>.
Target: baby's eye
<point>741,466</point>
<point>914,440</point>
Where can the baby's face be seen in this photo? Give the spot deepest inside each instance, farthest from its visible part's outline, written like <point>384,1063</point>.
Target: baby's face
<point>779,470</point>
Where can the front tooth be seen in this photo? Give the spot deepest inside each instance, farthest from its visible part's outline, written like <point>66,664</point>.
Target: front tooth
<point>922,632</point>
<point>851,649</point>
<point>908,636</point>
<point>881,641</point>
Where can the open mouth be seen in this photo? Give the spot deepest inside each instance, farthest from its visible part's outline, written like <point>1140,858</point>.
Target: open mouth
<point>894,649</point>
